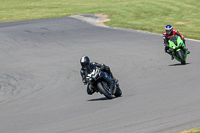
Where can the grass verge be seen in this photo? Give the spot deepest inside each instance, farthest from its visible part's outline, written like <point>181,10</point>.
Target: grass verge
<point>192,131</point>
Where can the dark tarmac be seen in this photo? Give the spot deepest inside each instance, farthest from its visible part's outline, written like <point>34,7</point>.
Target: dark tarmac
<point>41,89</point>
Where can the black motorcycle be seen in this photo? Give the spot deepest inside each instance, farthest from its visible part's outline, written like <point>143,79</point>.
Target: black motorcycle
<point>101,82</point>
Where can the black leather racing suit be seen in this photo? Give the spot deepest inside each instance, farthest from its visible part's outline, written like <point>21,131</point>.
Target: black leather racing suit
<point>86,70</point>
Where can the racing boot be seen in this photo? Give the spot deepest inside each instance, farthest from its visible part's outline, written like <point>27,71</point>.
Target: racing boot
<point>188,52</point>
<point>113,79</point>
<point>172,57</point>
<point>170,53</point>
<point>90,89</point>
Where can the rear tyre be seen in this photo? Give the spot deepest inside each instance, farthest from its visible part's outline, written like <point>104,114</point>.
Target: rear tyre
<point>118,92</point>
<point>104,89</point>
<point>181,56</point>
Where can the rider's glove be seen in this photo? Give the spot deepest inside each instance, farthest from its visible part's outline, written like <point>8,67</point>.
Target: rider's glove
<point>183,40</point>
<point>102,67</point>
<point>166,44</point>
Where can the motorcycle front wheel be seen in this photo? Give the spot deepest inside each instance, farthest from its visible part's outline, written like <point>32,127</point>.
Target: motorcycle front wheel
<point>181,56</point>
<point>104,89</point>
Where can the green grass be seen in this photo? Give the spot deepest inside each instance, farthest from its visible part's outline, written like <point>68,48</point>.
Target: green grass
<point>146,15</point>
<point>192,131</point>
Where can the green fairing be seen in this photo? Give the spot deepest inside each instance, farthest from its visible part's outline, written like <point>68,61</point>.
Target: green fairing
<point>177,47</point>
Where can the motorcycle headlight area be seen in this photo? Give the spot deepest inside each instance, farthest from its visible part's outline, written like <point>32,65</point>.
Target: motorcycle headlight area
<point>173,47</point>
<point>91,79</point>
<point>95,75</point>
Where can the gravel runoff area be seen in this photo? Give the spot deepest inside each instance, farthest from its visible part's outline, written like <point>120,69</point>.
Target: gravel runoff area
<point>97,19</point>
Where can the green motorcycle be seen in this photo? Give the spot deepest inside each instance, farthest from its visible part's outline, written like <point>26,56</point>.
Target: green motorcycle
<point>178,49</point>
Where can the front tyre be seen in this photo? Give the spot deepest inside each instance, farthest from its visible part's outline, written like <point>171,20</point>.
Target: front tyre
<point>104,89</point>
<point>181,56</point>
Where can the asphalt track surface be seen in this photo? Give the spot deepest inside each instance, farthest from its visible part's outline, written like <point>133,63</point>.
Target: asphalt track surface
<point>41,89</point>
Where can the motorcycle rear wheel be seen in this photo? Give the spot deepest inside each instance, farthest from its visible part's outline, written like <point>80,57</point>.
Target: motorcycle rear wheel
<point>118,92</point>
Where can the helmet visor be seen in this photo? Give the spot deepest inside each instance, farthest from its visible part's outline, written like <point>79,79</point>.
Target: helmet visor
<point>84,64</point>
<point>168,32</point>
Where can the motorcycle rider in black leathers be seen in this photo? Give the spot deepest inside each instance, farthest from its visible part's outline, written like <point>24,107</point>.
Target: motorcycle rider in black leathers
<point>87,67</point>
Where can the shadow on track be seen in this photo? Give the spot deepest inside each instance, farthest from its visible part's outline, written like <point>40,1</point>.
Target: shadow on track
<point>179,64</point>
<point>99,99</point>
<point>102,99</point>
